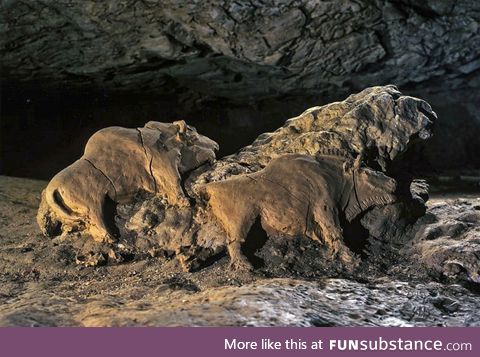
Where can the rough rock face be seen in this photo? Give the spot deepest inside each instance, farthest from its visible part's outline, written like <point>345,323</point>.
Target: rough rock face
<point>241,49</point>
<point>301,181</point>
<point>285,302</point>
<point>272,302</point>
<point>448,240</point>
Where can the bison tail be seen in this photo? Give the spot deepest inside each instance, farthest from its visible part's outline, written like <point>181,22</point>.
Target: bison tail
<point>56,202</point>
<point>46,219</point>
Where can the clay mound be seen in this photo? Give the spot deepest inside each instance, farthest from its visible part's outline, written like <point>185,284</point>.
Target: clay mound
<point>324,176</point>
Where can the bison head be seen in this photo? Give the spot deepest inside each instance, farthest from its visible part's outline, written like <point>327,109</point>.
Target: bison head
<point>195,149</point>
<point>386,123</point>
<point>370,188</point>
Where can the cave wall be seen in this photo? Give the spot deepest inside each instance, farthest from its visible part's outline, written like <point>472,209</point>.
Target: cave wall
<point>232,68</point>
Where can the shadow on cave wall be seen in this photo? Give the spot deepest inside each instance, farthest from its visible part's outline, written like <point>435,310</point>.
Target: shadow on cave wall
<point>44,130</point>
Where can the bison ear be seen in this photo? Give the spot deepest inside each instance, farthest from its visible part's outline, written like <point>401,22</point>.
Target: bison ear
<point>358,162</point>
<point>347,166</point>
<point>353,165</point>
<point>182,126</point>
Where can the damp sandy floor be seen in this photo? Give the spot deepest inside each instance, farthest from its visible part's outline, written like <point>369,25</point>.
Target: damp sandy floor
<point>40,285</point>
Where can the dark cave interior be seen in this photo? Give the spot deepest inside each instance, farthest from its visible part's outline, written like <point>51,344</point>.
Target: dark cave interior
<point>232,70</point>
<point>43,129</point>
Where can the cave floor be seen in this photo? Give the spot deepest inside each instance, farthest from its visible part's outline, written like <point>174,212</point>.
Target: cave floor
<point>40,285</point>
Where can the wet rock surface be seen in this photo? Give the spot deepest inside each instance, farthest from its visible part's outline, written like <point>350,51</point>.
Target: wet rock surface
<point>40,285</point>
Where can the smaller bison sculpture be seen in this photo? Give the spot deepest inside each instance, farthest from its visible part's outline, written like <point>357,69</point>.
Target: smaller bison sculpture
<point>298,195</point>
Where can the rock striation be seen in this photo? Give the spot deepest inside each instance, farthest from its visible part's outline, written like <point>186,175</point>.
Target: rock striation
<point>241,49</point>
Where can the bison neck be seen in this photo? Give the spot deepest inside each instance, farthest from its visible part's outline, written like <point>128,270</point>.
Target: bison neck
<point>358,202</point>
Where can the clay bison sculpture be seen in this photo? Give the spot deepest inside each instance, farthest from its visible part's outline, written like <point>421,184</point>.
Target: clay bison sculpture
<point>304,179</point>
<point>298,195</point>
<point>117,164</point>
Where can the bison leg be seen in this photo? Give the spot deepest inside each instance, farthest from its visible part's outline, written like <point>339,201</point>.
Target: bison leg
<point>326,216</point>
<point>166,176</point>
<point>237,229</point>
<point>237,232</point>
<point>238,261</point>
<point>236,214</point>
<point>102,220</point>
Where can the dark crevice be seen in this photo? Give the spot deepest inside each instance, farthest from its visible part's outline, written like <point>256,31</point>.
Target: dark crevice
<point>237,78</point>
<point>109,209</point>
<point>183,179</point>
<point>255,240</point>
<point>150,160</point>
<point>212,259</point>
<point>53,227</point>
<point>319,321</point>
<point>424,11</point>
<point>429,115</point>
<point>407,165</point>
<point>370,156</point>
<point>355,236</point>
<point>103,174</point>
